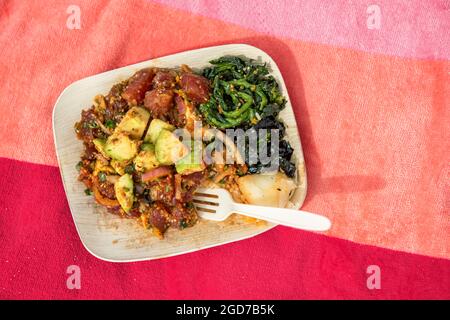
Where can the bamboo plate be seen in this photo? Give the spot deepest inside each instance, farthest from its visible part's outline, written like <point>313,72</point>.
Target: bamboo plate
<point>111,238</point>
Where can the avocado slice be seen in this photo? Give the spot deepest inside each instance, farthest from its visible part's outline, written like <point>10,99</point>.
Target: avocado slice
<point>100,146</point>
<point>120,147</point>
<point>168,148</point>
<point>190,164</point>
<point>134,122</point>
<point>146,159</point>
<point>155,128</point>
<point>124,192</point>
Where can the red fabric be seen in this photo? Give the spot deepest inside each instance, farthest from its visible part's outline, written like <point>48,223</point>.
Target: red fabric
<point>39,242</point>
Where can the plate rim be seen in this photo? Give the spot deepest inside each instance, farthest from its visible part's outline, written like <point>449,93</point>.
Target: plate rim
<point>269,226</point>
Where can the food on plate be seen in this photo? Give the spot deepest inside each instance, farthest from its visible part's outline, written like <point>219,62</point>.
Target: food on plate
<point>285,150</point>
<point>273,190</point>
<point>156,126</point>
<point>138,163</point>
<point>169,149</point>
<point>124,191</point>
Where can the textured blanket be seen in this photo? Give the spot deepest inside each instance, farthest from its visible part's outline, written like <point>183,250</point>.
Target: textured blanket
<point>369,83</point>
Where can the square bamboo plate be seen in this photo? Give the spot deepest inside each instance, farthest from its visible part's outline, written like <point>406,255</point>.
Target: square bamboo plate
<point>114,239</point>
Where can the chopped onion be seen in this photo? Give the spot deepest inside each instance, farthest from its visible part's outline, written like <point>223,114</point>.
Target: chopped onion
<point>156,173</point>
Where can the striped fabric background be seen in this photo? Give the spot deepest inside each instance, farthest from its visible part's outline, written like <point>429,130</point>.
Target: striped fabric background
<point>373,108</point>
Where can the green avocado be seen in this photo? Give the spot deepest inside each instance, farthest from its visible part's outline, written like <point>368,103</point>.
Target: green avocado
<point>146,159</point>
<point>168,148</point>
<point>100,146</point>
<point>134,122</point>
<point>155,128</point>
<point>120,147</point>
<point>147,147</point>
<point>124,192</point>
<point>119,166</point>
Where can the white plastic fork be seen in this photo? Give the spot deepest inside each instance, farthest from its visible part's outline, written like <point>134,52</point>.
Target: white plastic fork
<point>217,204</point>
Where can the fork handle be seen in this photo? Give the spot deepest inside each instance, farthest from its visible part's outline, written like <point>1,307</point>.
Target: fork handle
<point>286,217</point>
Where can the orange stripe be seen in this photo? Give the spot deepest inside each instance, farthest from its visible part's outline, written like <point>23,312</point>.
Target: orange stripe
<point>374,128</point>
